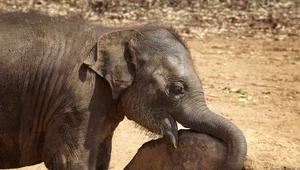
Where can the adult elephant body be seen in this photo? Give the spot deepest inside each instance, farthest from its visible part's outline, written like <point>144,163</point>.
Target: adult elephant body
<point>53,108</point>
<point>66,84</point>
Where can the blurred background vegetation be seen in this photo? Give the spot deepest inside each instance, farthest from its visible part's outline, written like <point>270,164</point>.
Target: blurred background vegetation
<point>275,19</point>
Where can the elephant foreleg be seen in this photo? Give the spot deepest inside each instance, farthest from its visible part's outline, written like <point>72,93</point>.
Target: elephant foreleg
<point>65,143</point>
<point>104,153</point>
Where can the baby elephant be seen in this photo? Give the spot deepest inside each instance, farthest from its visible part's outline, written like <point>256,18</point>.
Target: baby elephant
<point>196,151</point>
<point>65,84</point>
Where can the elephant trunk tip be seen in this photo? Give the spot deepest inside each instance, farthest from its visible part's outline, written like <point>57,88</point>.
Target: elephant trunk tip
<point>208,122</point>
<point>239,151</point>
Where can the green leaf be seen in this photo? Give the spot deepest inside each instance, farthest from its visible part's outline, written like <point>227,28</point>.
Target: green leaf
<point>238,96</point>
<point>226,90</point>
<point>265,96</point>
<point>266,92</point>
<point>229,90</point>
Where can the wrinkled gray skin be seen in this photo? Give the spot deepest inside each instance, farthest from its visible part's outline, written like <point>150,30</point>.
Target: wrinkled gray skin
<point>66,84</point>
<point>196,151</point>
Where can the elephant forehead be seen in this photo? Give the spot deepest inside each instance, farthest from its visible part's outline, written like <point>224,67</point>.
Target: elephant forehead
<point>173,60</point>
<point>177,65</point>
<point>177,59</point>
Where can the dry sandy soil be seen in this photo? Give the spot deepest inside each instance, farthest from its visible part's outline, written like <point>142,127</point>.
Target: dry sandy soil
<point>251,77</point>
<point>266,108</point>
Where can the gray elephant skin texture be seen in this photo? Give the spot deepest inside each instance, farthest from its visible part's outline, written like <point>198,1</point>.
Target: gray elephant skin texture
<point>196,151</point>
<point>65,84</point>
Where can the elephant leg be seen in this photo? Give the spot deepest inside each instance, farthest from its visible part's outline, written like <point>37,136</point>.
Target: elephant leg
<point>104,153</point>
<point>65,143</point>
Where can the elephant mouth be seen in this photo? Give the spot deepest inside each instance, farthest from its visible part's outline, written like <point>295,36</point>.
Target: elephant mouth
<point>170,130</point>
<point>165,126</point>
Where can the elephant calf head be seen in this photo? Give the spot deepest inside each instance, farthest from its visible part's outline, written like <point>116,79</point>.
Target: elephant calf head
<point>195,151</point>
<point>151,74</point>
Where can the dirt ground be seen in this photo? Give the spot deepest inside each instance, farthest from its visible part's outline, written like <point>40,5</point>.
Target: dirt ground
<point>266,107</point>
<point>250,69</point>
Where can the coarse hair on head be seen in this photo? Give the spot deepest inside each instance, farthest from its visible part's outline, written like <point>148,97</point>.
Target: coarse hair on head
<point>176,34</point>
<point>170,29</point>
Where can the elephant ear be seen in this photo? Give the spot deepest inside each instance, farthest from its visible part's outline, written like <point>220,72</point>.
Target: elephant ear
<point>112,60</point>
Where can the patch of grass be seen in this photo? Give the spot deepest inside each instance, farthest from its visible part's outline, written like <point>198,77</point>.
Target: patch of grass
<point>240,93</point>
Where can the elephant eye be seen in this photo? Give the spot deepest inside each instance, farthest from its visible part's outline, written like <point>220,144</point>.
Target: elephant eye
<point>176,90</point>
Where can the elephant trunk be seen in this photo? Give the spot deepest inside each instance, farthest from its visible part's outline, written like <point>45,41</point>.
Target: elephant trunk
<point>203,120</point>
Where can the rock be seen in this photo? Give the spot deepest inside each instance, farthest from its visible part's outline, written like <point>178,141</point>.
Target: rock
<point>195,151</point>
